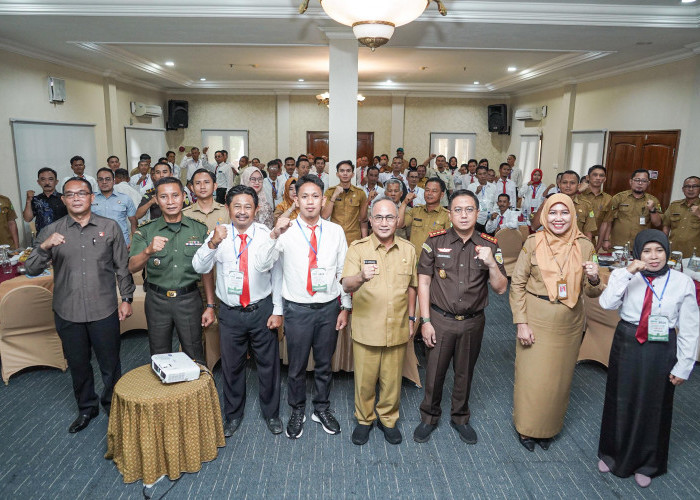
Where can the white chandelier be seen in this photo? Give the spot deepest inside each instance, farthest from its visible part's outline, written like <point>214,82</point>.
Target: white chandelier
<point>325,98</point>
<point>373,21</point>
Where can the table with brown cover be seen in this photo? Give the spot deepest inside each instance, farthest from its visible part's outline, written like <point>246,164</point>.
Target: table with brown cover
<point>158,429</point>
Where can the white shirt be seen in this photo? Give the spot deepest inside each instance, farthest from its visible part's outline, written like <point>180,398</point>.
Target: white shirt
<point>360,174</point>
<point>420,195</point>
<point>224,175</point>
<point>293,247</point>
<point>267,187</point>
<point>225,256</point>
<point>510,190</point>
<point>285,176</point>
<point>88,178</point>
<point>507,219</point>
<point>679,305</point>
<point>192,166</point>
<point>517,177</point>
<point>175,169</point>
<point>130,191</point>
<point>324,178</point>
<point>530,204</point>
<point>142,186</point>
<point>486,200</point>
<point>388,175</point>
<point>468,179</point>
<point>377,188</point>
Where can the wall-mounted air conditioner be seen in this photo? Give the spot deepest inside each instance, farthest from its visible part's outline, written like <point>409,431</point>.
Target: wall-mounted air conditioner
<point>528,114</point>
<point>141,109</point>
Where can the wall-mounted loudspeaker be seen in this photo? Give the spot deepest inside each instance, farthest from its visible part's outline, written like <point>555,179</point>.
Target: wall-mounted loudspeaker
<point>177,114</point>
<point>498,118</point>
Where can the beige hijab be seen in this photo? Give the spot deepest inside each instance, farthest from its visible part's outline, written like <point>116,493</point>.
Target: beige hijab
<point>559,256</point>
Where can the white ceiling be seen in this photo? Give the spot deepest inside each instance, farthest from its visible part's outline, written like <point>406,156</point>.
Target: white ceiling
<point>271,46</point>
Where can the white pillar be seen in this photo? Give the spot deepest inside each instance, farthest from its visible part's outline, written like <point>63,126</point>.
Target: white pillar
<point>568,108</point>
<point>283,144</point>
<point>342,87</point>
<point>114,138</point>
<point>398,106</point>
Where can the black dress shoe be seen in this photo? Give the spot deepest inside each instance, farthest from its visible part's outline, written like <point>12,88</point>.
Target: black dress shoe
<point>83,420</point>
<point>422,432</point>
<point>391,434</point>
<point>466,432</point>
<point>544,443</point>
<point>527,442</point>
<point>231,425</point>
<point>274,424</point>
<point>360,435</point>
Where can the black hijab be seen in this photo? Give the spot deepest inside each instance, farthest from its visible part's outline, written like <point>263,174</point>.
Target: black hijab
<point>652,236</point>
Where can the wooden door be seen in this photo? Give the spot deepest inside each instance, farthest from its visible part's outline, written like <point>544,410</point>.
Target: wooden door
<point>317,144</point>
<point>654,151</point>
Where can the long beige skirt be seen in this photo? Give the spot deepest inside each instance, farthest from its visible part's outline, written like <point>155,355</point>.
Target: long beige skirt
<point>543,371</point>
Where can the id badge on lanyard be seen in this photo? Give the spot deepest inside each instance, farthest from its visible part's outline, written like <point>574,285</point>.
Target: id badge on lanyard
<point>234,282</point>
<point>318,279</point>
<point>562,292</point>
<point>659,325</point>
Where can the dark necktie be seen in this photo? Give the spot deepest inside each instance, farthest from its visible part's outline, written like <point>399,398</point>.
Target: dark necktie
<point>643,328</point>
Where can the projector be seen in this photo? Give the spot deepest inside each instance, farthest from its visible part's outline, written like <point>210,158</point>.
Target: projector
<point>174,367</point>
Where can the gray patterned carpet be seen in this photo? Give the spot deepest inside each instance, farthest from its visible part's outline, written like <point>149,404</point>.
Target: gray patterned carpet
<point>39,459</point>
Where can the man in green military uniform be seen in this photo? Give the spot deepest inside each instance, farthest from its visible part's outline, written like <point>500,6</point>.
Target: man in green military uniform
<point>8,226</point>
<point>682,219</point>
<point>165,247</point>
<point>423,219</point>
<point>632,211</point>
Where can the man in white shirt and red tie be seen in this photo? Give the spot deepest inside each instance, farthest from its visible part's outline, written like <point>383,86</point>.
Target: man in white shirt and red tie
<point>142,181</point>
<point>506,186</point>
<point>504,216</point>
<point>419,198</point>
<point>470,176</point>
<point>320,166</point>
<point>313,253</point>
<point>250,311</point>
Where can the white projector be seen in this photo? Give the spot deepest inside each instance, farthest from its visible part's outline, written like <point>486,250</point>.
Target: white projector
<point>174,367</point>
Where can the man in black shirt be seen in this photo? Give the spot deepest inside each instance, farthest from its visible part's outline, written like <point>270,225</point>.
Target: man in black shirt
<point>47,207</point>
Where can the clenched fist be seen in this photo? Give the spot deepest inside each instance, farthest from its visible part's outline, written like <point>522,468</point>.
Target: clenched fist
<point>156,245</point>
<point>53,241</point>
<point>219,235</point>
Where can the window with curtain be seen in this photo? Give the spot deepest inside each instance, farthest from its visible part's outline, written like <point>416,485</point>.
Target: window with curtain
<point>587,148</point>
<point>144,140</point>
<point>462,146</point>
<point>529,156</point>
<point>233,141</point>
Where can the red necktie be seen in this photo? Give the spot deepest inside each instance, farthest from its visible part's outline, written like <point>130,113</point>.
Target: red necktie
<point>643,328</point>
<point>243,266</point>
<point>362,175</point>
<point>472,181</point>
<point>312,259</point>
<point>500,221</point>
<point>274,189</point>
<point>504,186</point>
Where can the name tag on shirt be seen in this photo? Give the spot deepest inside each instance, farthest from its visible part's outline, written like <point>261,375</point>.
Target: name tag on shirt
<point>642,221</point>
<point>234,282</point>
<point>374,263</point>
<point>562,292</point>
<point>658,328</point>
<point>318,280</point>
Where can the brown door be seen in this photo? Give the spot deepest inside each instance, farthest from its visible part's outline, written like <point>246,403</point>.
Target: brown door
<point>317,144</point>
<point>654,151</point>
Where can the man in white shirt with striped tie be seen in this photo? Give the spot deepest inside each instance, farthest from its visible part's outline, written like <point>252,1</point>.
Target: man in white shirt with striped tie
<point>313,253</point>
<point>506,186</point>
<point>250,311</point>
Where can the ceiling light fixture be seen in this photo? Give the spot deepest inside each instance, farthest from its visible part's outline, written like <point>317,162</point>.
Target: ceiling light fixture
<point>512,68</point>
<point>476,83</point>
<point>325,98</point>
<point>389,82</point>
<point>169,63</point>
<point>687,1</point>
<point>373,21</point>
<point>202,79</point>
<point>301,79</point>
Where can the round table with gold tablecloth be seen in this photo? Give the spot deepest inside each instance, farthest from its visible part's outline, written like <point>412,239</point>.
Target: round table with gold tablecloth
<point>158,429</point>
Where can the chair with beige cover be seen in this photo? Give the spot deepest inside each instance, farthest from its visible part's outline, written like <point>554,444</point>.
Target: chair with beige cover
<point>600,330</point>
<point>510,241</point>
<point>27,331</point>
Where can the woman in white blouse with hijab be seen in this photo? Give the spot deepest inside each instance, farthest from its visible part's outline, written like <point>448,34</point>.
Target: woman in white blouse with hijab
<point>653,351</point>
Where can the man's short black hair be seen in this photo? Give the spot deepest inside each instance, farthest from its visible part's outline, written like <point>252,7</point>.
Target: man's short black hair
<point>504,164</point>
<point>272,163</point>
<point>241,189</point>
<point>112,156</point>
<point>77,158</point>
<point>121,173</point>
<point>106,169</point>
<point>163,159</point>
<point>572,172</point>
<point>246,158</point>
<point>601,167</point>
<point>223,151</point>
<point>79,179</point>
<point>153,168</point>
<point>472,160</point>
<point>204,171</point>
<point>482,167</point>
<point>302,158</point>
<point>371,168</point>
<point>166,154</point>
<point>440,156</point>
<point>289,158</point>
<point>640,171</point>
<point>145,156</point>
<point>344,162</point>
<point>169,180</point>
<point>319,158</point>
<point>443,187</point>
<point>484,160</point>
<point>47,169</point>
<point>512,156</point>
<point>194,148</point>
<point>310,178</point>
<point>464,192</point>
<point>505,195</point>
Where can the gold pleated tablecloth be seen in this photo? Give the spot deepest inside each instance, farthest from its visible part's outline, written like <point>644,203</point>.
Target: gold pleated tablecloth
<point>158,429</point>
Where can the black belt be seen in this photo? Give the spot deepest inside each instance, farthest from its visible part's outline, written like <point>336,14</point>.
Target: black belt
<point>458,317</point>
<point>543,297</point>
<point>249,307</point>
<point>312,305</point>
<point>172,293</point>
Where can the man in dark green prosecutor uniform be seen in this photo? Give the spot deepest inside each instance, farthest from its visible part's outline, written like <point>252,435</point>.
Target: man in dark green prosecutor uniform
<point>165,247</point>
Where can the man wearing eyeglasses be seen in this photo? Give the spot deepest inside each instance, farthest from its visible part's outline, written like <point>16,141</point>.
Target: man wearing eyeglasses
<point>682,219</point>
<point>454,271</point>
<point>380,272</point>
<point>87,251</point>
<point>632,211</point>
<point>119,207</point>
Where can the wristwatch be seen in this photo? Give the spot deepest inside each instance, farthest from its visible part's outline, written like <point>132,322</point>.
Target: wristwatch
<point>130,300</point>
<point>211,306</point>
<point>425,319</point>
<point>412,318</point>
<point>343,308</point>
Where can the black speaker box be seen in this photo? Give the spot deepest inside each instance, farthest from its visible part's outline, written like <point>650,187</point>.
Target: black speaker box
<point>498,118</point>
<point>177,114</point>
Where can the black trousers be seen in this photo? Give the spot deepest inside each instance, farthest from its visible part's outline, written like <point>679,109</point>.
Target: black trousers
<point>184,313</point>
<point>306,328</point>
<point>236,328</point>
<point>221,195</point>
<point>78,339</point>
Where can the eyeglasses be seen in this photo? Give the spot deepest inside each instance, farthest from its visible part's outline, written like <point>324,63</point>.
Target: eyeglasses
<point>256,179</point>
<point>459,210</point>
<point>691,186</point>
<point>79,194</point>
<point>380,218</point>
<point>640,181</point>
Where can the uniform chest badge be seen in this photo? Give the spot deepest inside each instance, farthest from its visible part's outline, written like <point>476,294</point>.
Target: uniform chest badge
<point>442,273</point>
<point>156,262</point>
<point>102,234</point>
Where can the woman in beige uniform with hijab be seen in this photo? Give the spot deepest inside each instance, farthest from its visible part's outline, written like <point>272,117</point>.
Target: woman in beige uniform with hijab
<point>554,268</point>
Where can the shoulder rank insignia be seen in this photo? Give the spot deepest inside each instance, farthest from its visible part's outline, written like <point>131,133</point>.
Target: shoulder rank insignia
<point>489,238</point>
<point>437,233</point>
<point>427,248</point>
<point>146,222</point>
<point>591,214</point>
